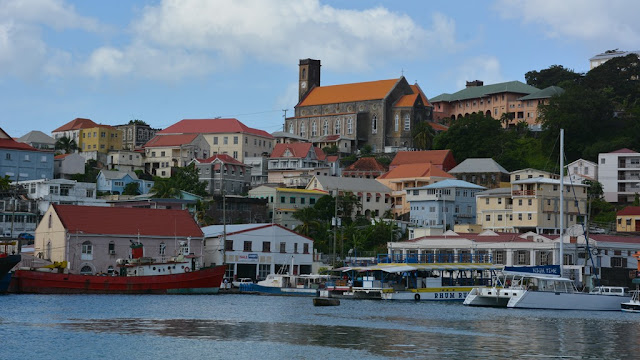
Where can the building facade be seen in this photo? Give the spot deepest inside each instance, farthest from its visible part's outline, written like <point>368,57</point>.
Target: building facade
<point>67,165</point>
<point>20,161</point>
<point>135,134</point>
<point>165,152</point>
<point>484,172</point>
<point>294,164</point>
<point>223,175</point>
<point>115,182</point>
<point>619,174</point>
<point>61,191</point>
<point>125,160</point>
<point>100,138</point>
<point>284,202</point>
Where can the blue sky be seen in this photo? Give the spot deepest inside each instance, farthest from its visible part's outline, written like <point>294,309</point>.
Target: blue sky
<point>165,60</point>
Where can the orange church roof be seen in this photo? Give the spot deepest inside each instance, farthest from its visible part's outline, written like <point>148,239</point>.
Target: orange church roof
<point>371,90</point>
<point>414,171</point>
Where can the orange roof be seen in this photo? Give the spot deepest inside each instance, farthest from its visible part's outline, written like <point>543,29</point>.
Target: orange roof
<point>407,100</point>
<point>61,156</point>
<point>298,150</point>
<point>438,127</point>
<point>416,157</point>
<point>417,90</point>
<point>170,140</point>
<point>371,90</point>
<point>414,171</point>
<point>366,164</point>
<point>76,124</point>
<point>130,221</point>
<point>332,158</point>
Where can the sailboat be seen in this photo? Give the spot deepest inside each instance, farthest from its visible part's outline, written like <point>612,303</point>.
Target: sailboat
<point>530,288</point>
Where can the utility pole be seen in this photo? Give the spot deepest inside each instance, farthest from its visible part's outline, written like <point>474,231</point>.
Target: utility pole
<point>335,228</point>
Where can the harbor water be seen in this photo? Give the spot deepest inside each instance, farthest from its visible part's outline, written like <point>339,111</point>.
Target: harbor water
<point>235,326</point>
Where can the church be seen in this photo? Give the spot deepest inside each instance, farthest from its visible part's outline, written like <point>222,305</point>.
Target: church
<point>377,113</point>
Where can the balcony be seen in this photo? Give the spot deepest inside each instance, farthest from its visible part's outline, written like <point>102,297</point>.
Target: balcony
<point>523,192</point>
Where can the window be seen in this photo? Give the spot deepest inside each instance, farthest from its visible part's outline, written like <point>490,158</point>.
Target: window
<point>225,140</point>
<point>349,126</point>
<point>235,154</point>
<point>499,201</point>
<point>314,129</point>
<point>397,122</point>
<point>290,128</point>
<point>235,140</point>
<point>312,201</point>
<point>266,246</point>
<point>529,216</point>
<point>215,140</point>
<point>162,153</point>
<point>263,270</point>
<point>302,200</point>
<point>295,248</point>
<point>530,202</point>
<point>305,248</point>
<point>247,246</point>
<point>103,134</point>
<point>520,217</point>
<point>283,247</point>
<point>228,245</point>
<point>488,218</point>
<point>302,130</point>
<point>499,217</point>
<point>374,124</point>
<point>602,161</point>
<point>282,199</point>
<point>486,201</point>
<point>337,127</point>
<point>162,249</point>
<point>292,200</point>
<point>407,123</point>
<point>87,251</point>
<point>519,202</point>
<point>325,127</point>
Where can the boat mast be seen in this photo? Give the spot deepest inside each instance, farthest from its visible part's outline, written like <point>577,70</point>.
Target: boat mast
<point>561,199</point>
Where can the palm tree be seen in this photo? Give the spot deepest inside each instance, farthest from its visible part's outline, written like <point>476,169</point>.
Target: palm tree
<point>423,135</point>
<point>165,189</point>
<point>308,216</point>
<point>66,144</point>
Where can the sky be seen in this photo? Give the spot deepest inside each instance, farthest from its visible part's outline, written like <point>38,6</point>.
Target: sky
<point>162,61</point>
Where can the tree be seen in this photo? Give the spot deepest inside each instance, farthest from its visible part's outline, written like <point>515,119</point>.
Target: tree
<point>473,136</point>
<point>132,188</point>
<point>366,150</point>
<point>164,188</point>
<point>66,144</point>
<point>187,179</point>
<point>308,217</point>
<point>137,122</point>
<point>5,183</point>
<point>422,135</point>
<point>330,150</point>
<point>555,75</point>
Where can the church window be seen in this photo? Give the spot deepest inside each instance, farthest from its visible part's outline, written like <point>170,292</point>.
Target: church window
<point>325,128</point>
<point>349,126</point>
<point>290,128</point>
<point>407,123</point>
<point>314,129</point>
<point>397,123</point>
<point>374,124</point>
<point>337,127</point>
<point>302,130</point>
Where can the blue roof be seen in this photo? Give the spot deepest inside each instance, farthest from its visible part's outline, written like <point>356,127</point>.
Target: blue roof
<point>453,183</point>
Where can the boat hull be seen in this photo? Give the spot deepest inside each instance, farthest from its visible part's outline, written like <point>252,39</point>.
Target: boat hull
<point>269,290</point>
<point>204,281</point>
<point>6,264</point>
<point>429,294</point>
<point>567,301</point>
<point>489,297</point>
<point>630,306</point>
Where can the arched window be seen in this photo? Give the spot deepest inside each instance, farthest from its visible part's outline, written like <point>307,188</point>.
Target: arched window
<point>374,124</point>
<point>337,126</point>
<point>162,248</point>
<point>302,130</point>
<point>290,128</point>
<point>86,270</point>
<point>397,123</point>
<point>314,129</point>
<point>407,123</point>
<point>349,126</point>
<point>325,127</point>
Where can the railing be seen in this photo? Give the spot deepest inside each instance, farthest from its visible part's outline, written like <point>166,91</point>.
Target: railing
<point>524,192</point>
<point>434,258</point>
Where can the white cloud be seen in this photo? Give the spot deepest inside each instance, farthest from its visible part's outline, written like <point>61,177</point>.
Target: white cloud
<point>610,24</point>
<point>52,13</point>
<point>207,33</point>
<point>483,67</point>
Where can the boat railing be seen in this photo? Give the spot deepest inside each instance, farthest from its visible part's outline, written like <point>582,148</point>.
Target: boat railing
<point>434,258</point>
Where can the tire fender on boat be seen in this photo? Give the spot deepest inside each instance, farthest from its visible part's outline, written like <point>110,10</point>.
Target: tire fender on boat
<point>186,269</point>
<point>417,297</point>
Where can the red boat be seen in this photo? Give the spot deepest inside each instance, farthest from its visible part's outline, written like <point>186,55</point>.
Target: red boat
<point>203,281</point>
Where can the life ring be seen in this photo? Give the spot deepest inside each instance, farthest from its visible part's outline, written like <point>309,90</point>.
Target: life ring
<point>186,269</point>
<point>417,297</point>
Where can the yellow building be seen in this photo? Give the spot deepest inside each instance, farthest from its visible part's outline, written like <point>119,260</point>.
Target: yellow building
<point>628,219</point>
<point>532,204</point>
<point>101,138</point>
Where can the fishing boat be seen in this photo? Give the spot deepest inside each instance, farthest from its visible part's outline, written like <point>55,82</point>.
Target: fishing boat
<point>633,305</point>
<point>7,262</point>
<point>287,284</point>
<point>138,275</point>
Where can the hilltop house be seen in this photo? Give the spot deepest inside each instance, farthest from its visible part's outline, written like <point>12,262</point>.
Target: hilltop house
<point>166,152</point>
<point>114,182</point>
<point>442,159</point>
<point>20,161</point>
<point>223,175</point>
<point>484,172</point>
<point>294,164</point>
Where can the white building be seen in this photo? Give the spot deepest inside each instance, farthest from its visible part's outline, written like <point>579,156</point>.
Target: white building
<point>61,191</point>
<point>66,165</point>
<point>619,174</point>
<point>373,195</point>
<point>257,250</point>
<point>608,55</point>
<point>582,169</point>
<point>125,160</point>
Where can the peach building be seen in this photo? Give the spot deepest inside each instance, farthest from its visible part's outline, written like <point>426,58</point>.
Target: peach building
<point>515,98</point>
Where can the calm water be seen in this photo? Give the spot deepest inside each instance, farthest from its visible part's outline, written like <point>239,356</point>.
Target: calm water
<point>261,327</point>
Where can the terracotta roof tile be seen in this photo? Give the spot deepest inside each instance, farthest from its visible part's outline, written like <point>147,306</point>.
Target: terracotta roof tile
<point>407,101</point>
<point>414,171</point>
<point>170,140</point>
<point>129,221</point>
<point>629,210</point>
<point>60,157</point>
<point>371,90</point>
<point>223,157</point>
<point>417,90</point>
<point>14,145</point>
<point>76,124</point>
<point>212,126</point>
<point>366,164</point>
<point>442,158</point>
<point>298,150</point>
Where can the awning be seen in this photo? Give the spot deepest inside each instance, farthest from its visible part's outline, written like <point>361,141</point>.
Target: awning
<point>396,269</point>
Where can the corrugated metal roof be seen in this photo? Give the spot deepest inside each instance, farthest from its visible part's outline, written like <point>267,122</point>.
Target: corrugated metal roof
<point>478,165</point>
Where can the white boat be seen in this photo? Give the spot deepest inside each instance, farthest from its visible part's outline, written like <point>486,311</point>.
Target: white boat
<point>241,281</point>
<point>531,288</point>
<point>287,284</point>
<point>633,305</point>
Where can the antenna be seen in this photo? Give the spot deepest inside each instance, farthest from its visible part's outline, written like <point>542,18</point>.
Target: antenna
<point>285,113</point>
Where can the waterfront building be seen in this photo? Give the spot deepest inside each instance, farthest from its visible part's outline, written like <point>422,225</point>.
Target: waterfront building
<point>284,202</point>
<point>237,210</point>
<point>628,219</point>
<point>81,235</point>
<point>608,55</point>
<point>376,113</point>
<point>71,130</point>
<point>257,250</point>
<point>374,197</point>
<point>99,138</point>
<point>18,213</point>
<point>258,168</point>
<point>581,170</point>
<point>484,172</point>
<point>619,174</point>
<point>443,204</point>
<point>20,161</point>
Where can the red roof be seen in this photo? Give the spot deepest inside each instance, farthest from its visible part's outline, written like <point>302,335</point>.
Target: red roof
<point>629,210</point>
<point>61,156</point>
<point>366,164</point>
<point>414,171</point>
<point>298,150</point>
<point>212,126</point>
<point>170,140</point>
<point>223,157</point>
<point>12,144</point>
<point>442,158</point>
<point>623,150</point>
<point>438,127</point>
<point>332,158</point>
<point>76,124</point>
<point>127,221</point>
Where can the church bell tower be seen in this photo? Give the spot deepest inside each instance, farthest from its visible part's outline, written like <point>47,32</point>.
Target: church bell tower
<point>309,76</point>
